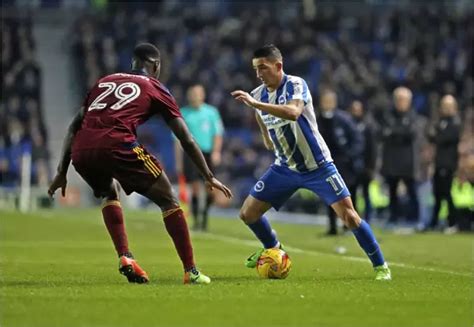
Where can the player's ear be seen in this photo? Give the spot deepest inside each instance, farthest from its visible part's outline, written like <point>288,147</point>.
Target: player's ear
<point>157,68</point>
<point>279,65</point>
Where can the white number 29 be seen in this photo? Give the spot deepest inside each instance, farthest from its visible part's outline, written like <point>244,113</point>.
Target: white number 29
<point>123,98</point>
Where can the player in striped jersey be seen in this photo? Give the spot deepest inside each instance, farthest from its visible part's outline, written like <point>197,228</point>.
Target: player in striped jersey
<point>285,114</point>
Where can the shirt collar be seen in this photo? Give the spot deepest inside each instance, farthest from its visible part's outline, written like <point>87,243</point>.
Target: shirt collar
<point>283,81</point>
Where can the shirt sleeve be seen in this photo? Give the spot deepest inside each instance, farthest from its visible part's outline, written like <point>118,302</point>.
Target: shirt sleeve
<point>164,103</point>
<point>297,89</point>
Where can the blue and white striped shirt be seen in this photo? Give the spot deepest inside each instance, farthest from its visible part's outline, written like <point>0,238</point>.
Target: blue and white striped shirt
<point>298,144</point>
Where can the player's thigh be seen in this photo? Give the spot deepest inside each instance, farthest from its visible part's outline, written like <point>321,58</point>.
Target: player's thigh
<point>161,193</point>
<point>139,171</point>
<point>92,167</point>
<point>253,209</point>
<point>327,183</point>
<point>135,169</point>
<point>276,186</point>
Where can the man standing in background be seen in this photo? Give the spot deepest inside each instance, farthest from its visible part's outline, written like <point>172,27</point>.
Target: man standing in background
<point>205,124</point>
<point>369,155</point>
<point>399,155</point>
<point>445,136</point>
<point>345,143</point>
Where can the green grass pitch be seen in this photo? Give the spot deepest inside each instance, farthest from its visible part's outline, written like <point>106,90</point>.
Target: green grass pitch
<point>58,268</point>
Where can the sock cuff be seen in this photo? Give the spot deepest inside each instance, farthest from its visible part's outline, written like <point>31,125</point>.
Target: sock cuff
<point>111,203</point>
<point>363,224</point>
<point>259,221</point>
<point>169,212</point>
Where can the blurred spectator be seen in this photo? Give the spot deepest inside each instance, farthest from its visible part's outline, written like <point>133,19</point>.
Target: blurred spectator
<point>369,155</point>
<point>204,123</point>
<point>361,51</point>
<point>21,120</point>
<point>345,143</point>
<point>399,132</point>
<point>445,135</point>
<point>466,148</point>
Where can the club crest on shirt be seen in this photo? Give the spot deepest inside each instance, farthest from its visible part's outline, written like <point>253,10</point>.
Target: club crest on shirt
<point>282,99</point>
<point>259,186</point>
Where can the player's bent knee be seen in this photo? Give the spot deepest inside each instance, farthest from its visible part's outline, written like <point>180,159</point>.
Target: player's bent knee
<point>242,215</point>
<point>351,219</point>
<point>169,205</point>
<point>246,216</point>
<point>113,193</point>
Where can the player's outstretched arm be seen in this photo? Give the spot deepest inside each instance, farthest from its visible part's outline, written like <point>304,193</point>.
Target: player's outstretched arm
<point>60,180</point>
<point>291,111</point>
<point>263,129</point>
<point>180,130</point>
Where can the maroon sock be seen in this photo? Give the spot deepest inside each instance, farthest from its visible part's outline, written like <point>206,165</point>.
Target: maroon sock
<point>178,230</point>
<point>113,218</point>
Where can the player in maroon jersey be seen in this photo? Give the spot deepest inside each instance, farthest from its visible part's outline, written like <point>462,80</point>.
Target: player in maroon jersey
<point>102,144</point>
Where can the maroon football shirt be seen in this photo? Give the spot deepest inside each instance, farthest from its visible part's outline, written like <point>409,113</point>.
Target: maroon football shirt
<point>117,104</point>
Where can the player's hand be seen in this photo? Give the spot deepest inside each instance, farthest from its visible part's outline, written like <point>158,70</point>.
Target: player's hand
<point>215,183</point>
<point>59,181</point>
<point>244,97</point>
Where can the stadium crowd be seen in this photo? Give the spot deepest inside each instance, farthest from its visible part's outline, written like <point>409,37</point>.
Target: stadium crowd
<point>361,56</point>
<point>360,53</point>
<point>22,128</point>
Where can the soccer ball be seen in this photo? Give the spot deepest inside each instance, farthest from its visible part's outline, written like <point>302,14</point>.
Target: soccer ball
<point>274,264</point>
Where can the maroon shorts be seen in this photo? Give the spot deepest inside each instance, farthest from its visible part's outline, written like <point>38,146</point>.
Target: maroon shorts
<point>132,166</point>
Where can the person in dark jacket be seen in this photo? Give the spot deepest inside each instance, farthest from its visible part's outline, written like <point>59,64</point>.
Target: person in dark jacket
<point>369,155</point>
<point>445,136</point>
<point>345,143</point>
<point>399,156</point>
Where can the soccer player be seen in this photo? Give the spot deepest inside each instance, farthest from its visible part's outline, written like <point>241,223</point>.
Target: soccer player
<point>285,114</point>
<point>205,124</point>
<point>102,144</point>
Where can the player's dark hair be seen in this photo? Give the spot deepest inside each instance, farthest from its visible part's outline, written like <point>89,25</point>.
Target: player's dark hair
<point>146,52</point>
<point>269,51</point>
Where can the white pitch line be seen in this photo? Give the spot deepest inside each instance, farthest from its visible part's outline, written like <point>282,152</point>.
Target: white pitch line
<point>249,243</point>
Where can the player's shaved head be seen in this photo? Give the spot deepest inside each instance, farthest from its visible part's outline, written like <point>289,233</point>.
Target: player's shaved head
<point>268,51</point>
<point>146,52</point>
<point>146,57</point>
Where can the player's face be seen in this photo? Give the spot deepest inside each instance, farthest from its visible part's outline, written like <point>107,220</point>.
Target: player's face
<point>268,71</point>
